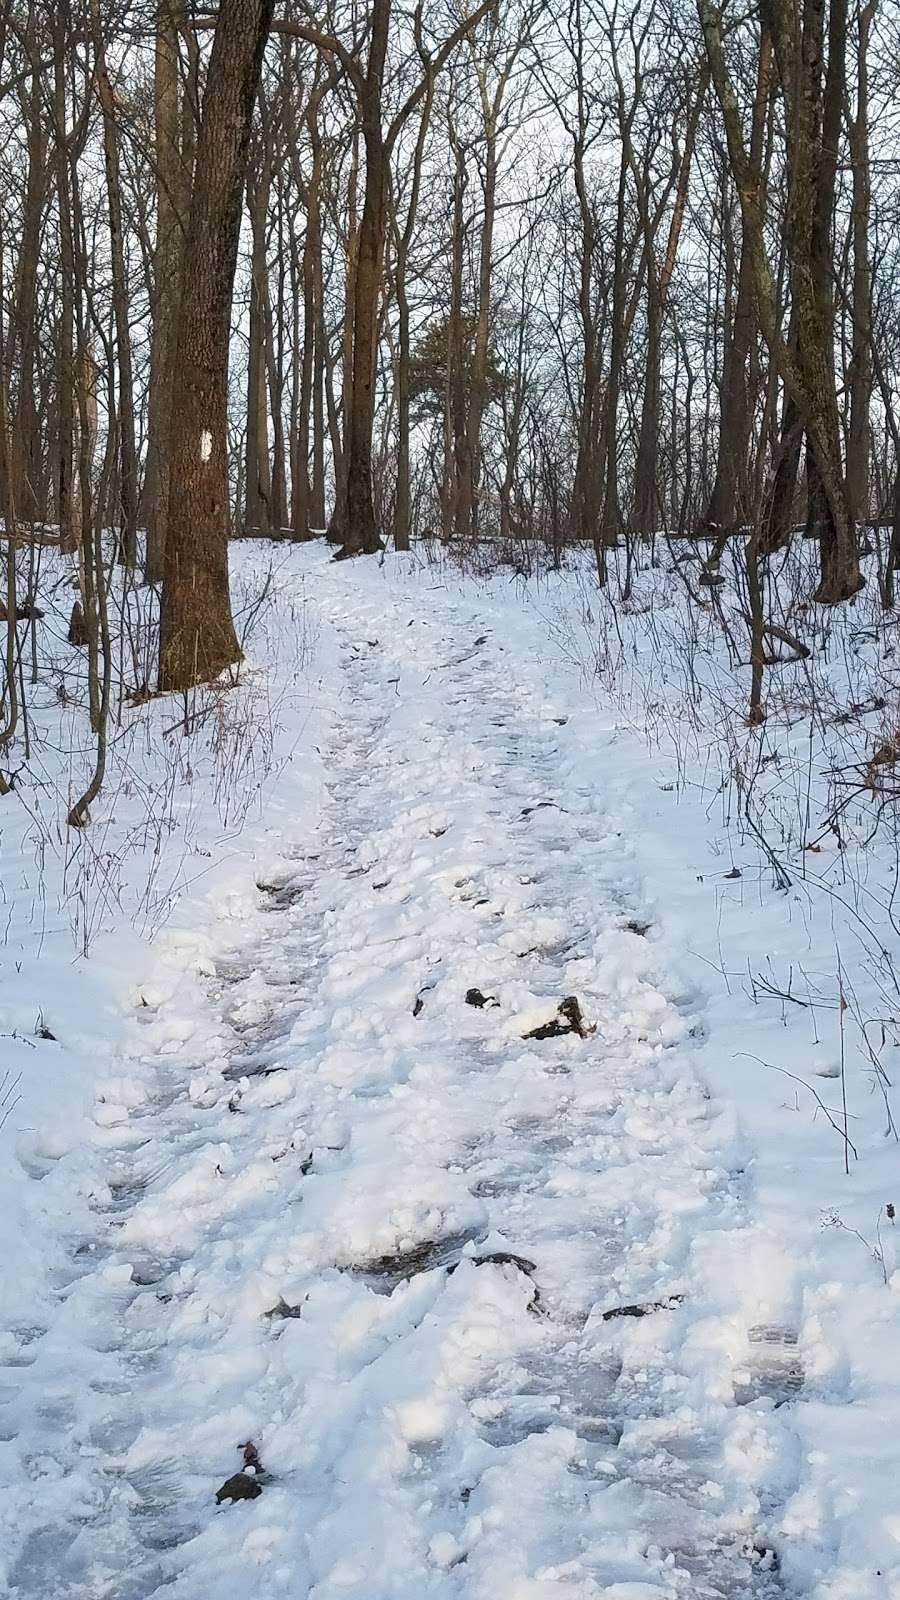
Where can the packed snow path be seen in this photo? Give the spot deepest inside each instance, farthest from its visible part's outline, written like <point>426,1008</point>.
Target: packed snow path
<point>306,1158</point>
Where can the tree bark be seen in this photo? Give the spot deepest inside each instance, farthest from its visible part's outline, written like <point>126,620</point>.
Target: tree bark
<point>811,147</point>
<point>125,420</point>
<point>356,523</point>
<point>860,377</point>
<point>24,465</point>
<point>65,507</point>
<point>729,503</point>
<point>197,637</point>
<point>403,242</point>
<point>257,472</point>
<point>171,219</point>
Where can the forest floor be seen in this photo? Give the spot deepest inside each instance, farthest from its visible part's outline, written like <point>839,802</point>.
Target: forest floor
<point>303,1155</point>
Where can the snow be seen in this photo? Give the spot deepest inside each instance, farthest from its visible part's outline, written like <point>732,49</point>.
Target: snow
<point>254,1181</point>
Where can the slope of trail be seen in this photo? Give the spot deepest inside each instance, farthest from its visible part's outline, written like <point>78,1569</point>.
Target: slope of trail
<point>461,1287</point>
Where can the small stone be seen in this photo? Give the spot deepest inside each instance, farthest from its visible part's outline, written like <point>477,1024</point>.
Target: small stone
<point>474,997</point>
<point>569,1019</point>
<point>242,1486</point>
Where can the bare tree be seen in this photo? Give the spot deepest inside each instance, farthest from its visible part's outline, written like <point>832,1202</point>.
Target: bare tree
<point>197,637</point>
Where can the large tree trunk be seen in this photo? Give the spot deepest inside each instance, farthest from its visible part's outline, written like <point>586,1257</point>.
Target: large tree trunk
<point>647,501</point>
<point>402,502</point>
<point>356,521</point>
<point>812,132</point>
<point>25,451</point>
<point>320,360</point>
<point>340,425</point>
<point>588,484</point>
<point>278,517</point>
<point>128,484</point>
<point>860,375</point>
<point>197,637</point>
<point>729,502</point>
<point>303,489</point>
<point>171,219</point>
<point>467,505</point>
<point>402,509</point>
<point>814,109</point>
<point>777,519</point>
<point>455,392</point>
<point>357,526</point>
<point>612,510</point>
<point>65,507</point>
<point>646,514</point>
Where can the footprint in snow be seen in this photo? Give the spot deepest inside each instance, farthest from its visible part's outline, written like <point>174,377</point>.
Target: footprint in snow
<point>773,1369</point>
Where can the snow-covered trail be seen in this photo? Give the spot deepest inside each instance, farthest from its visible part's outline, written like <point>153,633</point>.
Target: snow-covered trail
<point>306,1156</point>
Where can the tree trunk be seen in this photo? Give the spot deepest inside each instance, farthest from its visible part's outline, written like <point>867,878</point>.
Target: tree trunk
<point>197,637</point>
<point>171,216</point>
<point>303,489</point>
<point>467,506</point>
<point>257,477</point>
<point>860,373</point>
<point>359,534</point>
<point>455,395</point>
<point>812,129</point>
<point>65,508</point>
<point>814,109</point>
<point>729,502</point>
<point>645,517</point>
<point>128,485</point>
<point>404,241</point>
<point>25,444</point>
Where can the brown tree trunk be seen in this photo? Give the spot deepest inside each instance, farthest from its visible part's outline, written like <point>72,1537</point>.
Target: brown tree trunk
<point>403,237</point>
<point>588,485</point>
<point>257,475</point>
<point>303,496</point>
<point>812,128</point>
<point>860,373</point>
<point>171,217</point>
<point>320,359</point>
<point>128,484</point>
<point>729,502</point>
<point>197,637</point>
<point>275,373</point>
<point>25,449</point>
<point>814,108</point>
<point>647,502</point>
<point>65,509</point>
<point>646,513</point>
<point>777,515</point>
<point>467,504</point>
<point>612,512</point>
<point>455,393</point>
<point>356,520</point>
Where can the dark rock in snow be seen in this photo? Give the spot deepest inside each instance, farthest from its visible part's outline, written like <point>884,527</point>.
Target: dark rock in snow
<point>474,997</point>
<point>243,1486</point>
<point>281,1311</point>
<point>671,1302</point>
<point>386,1272</point>
<point>498,1258</point>
<point>569,1019</point>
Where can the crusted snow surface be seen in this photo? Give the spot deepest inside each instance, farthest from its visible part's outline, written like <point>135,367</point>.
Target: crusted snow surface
<point>503,1316</point>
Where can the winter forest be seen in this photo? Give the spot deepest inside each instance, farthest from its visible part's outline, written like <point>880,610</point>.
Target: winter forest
<point>449,847</point>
